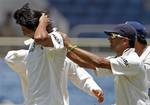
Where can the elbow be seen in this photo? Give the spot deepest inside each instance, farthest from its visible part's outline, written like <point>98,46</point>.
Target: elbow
<point>9,57</point>
<point>100,62</point>
<point>103,63</point>
<point>86,65</point>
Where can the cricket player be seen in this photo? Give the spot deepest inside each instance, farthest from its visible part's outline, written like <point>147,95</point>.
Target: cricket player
<point>126,67</point>
<point>141,47</point>
<point>44,69</point>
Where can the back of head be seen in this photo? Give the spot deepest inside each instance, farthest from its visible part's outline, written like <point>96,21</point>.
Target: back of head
<point>27,17</point>
<point>141,31</point>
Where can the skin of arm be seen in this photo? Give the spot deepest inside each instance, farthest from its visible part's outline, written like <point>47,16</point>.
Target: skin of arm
<point>81,57</point>
<point>41,35</point>
<point>88,60</point>
<point>79,61</point>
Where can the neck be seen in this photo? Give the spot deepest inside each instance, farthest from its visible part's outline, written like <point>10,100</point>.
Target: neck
<point>120,52</point>
<point>140,49</point>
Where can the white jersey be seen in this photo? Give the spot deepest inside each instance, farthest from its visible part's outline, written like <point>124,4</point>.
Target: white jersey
<point>46,71</point>
<point>129,79</point>
<point>145,57</point>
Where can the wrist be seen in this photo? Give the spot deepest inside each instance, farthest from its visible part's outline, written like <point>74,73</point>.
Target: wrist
<point>43,23</point>
<point>70,47</point>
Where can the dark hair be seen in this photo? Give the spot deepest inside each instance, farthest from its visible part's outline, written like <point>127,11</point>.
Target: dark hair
<point>141,40</point>
<point>131,43</point>
<point>29,18</point>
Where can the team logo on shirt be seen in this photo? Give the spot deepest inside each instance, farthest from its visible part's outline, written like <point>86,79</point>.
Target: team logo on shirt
<point>56,38</point>
<point>125,62</point>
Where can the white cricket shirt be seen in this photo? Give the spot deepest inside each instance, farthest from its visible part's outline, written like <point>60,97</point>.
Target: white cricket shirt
<point>47,73</point>
<point>129,75</point>
<point>145,57</point>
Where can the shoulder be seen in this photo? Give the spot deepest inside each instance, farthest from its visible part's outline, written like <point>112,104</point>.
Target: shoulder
<point>16,55</point>
<point>57,39</point>
<point>127,60</point>
<point>21,52</point>
<point>133,58</point>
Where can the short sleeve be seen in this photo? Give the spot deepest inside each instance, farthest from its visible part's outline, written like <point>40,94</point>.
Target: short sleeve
<point>126,65</point>
<point>102,72</point>
<point>57,39</point>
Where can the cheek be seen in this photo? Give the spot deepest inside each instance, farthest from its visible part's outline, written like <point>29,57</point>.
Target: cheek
<point>117,44</point>
<point>113,42</point>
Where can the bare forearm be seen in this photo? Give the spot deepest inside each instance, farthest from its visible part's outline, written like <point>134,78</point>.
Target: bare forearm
<point>90,58</point>
<point>80,61</point>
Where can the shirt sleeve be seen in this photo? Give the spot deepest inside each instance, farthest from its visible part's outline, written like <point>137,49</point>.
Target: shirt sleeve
<point>80,77</point>
<point>126,65</point>
<point>15,60</point>
<point>57,41</point>
<point>102,72</point>
<point>146,62</point>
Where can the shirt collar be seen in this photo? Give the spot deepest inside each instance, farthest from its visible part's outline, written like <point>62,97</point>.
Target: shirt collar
<point>28,42</point>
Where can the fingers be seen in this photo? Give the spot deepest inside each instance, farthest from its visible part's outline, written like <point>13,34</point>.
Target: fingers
<point>44,18</point>
<point>101,98</point>
<point>43,14</point>
<point>99,94</point>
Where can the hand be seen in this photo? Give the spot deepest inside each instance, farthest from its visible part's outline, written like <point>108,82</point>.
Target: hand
<point>44,19</point>
<point>41,35</point>
<point>99,94</point>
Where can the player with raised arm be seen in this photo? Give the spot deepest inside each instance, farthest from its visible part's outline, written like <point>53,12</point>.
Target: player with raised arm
<point>44,69</point>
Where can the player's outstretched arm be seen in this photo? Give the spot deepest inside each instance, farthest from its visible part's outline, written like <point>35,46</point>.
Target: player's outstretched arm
<point>99,95</point>
<point>90,58</point>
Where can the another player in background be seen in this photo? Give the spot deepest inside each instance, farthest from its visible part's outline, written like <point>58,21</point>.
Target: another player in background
<point>45,69</point>
<point>126,66</point>
<point>141,47</point>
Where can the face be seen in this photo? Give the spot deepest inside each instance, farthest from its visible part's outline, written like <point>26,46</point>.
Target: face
<point>27,32</point>
<point>118,43</point>
<point>114,43</point>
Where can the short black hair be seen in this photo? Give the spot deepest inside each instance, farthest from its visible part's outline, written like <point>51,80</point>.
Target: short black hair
<point>28,17</point>
<point>141,40</point>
